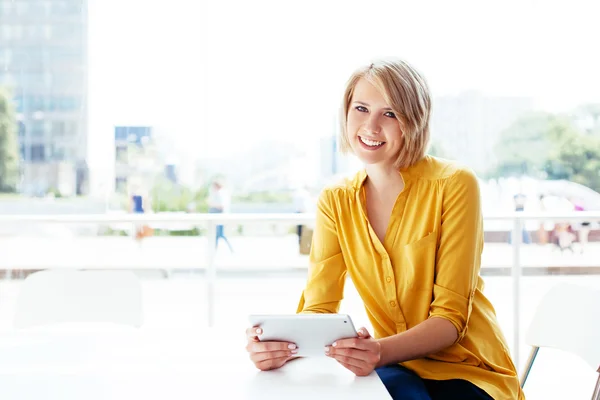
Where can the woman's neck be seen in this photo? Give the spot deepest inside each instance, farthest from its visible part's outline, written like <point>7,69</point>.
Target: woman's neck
<point>384,179</point>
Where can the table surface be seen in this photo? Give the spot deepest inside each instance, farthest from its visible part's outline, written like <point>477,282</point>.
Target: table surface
<point>124,364</point>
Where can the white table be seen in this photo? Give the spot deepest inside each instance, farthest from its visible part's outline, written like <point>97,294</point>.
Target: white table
<point>121,364</point>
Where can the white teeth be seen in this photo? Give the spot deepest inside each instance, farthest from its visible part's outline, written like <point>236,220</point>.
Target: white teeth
<point>370,142</point>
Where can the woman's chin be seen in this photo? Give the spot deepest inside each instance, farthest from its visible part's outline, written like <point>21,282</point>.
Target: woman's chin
<point>370,159</point>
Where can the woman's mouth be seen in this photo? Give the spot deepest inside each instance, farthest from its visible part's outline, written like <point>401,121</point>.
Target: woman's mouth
<point>370,144</point>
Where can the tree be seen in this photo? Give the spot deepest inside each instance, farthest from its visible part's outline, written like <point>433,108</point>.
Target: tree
<point>578,160</point>
<point>169,196</point>
<point>531,143</point>
<point>587,117</point>
<point>9,147</point>
<point>549,146</point>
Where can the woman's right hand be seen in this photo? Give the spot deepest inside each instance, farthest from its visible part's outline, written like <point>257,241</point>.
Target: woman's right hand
<point>268,355</point>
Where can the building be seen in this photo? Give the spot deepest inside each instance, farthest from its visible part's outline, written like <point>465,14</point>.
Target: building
<point>43,59</point>
<point>136,158</point>
<point>468,126</point>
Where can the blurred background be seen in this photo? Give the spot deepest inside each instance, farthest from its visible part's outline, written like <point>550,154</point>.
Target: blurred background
<point>111,108</point>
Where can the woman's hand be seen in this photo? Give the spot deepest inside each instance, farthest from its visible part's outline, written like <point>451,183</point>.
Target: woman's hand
<point>360,355</point>
<point>268,355</point>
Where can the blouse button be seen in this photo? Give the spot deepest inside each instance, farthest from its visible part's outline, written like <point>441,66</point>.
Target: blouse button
<point>388,279</point>
<point>393,303</point>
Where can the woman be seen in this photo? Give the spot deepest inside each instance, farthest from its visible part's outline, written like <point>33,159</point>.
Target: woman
<point>408,230</point>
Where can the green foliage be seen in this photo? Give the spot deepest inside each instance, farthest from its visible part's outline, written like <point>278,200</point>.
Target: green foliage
<point>9,147</point>
<point>530,142</point>
<point>264,197</point>
<point>549,146</point>
<point>578,161</point>
<point>167,196</point>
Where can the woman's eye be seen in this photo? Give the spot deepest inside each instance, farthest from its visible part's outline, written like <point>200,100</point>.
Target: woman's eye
<point>361,108</point>
<point>390,114</point>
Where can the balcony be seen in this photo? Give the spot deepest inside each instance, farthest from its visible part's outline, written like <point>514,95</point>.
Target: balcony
<point>190,285</point>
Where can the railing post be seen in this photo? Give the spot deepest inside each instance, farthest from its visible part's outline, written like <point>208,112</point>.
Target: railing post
<point>211,271</point>
<point>517,234</point>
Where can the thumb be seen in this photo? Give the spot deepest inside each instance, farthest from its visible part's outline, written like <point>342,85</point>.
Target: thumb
<point>363,333</point>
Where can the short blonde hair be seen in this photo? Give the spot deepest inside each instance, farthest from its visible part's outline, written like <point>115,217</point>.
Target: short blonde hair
<point>406,92</point>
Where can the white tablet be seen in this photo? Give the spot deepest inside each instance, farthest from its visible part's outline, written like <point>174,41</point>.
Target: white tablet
<point>310,332</point>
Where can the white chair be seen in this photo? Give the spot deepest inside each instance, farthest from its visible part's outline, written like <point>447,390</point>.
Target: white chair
<point>65,296</point>
<point>568,319</point>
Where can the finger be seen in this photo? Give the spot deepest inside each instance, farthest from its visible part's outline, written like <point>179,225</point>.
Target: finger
<point>349,367</point>
<point>272,363</point>
<point>353,343</point>
<point>260,357</point>
<point>261,347</point>
<point>253,332</point>
<point>357,371</point>
<point>354,362</point>
<point>360,356</point>
<point>364,333</point>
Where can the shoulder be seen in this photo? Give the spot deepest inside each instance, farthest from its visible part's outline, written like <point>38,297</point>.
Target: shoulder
<point>454,180</point>
<point>343,188</point>
<point>439,169</point>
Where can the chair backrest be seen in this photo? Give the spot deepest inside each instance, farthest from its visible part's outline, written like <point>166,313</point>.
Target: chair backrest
<point>568,318</point>
<point>63,296</point>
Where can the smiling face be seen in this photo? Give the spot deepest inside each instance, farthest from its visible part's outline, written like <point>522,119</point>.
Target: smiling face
<point>372,129</point>
<point>385,114</point>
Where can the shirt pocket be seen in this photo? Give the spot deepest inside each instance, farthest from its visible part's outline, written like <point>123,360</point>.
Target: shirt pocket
<point>419,271</point>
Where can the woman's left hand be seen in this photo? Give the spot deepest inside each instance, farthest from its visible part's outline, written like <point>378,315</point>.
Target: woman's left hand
<point>360,355</point>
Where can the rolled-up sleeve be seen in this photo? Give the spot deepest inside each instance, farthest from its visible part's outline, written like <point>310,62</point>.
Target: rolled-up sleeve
<point>458,258</point>
<point>327,272</point>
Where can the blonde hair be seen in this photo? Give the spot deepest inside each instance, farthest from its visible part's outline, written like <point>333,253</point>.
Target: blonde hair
<point>406,92</point>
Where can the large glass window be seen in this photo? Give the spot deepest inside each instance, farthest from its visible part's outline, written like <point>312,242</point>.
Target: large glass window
<point>121,98</point>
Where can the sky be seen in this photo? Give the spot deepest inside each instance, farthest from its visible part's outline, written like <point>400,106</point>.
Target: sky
<point>218,76</point>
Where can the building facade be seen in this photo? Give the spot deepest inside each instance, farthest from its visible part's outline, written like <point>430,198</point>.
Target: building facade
<point>136,158</point>
<point>43,62</point>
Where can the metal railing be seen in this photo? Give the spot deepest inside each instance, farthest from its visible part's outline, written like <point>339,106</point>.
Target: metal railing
<point>210,222</point>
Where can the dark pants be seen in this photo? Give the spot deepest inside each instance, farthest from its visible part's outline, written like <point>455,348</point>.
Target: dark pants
<point>404,384</point>
<point>299,232</point>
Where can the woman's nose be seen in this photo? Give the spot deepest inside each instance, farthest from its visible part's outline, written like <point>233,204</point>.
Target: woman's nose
<point>372,124</point>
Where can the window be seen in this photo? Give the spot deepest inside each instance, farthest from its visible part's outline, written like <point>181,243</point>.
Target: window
<point>22,7</point>
<point>5,57</point>
<point>71,128</point>
<point>6,32</point>
<point>37,152</point>
<point>58,153</point>
<point>38,128</point>
<point>48,31</point>
<point>121,154</point>
<point>66,31</point>
<point>58,128</point>
<point>121,185</point>
<point>6,8</point>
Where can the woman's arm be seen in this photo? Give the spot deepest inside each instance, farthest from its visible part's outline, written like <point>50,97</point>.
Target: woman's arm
<point>327,272</point>
<point>430,336</point>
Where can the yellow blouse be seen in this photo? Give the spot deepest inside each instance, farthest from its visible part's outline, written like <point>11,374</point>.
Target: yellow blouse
<point>427,266</point>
